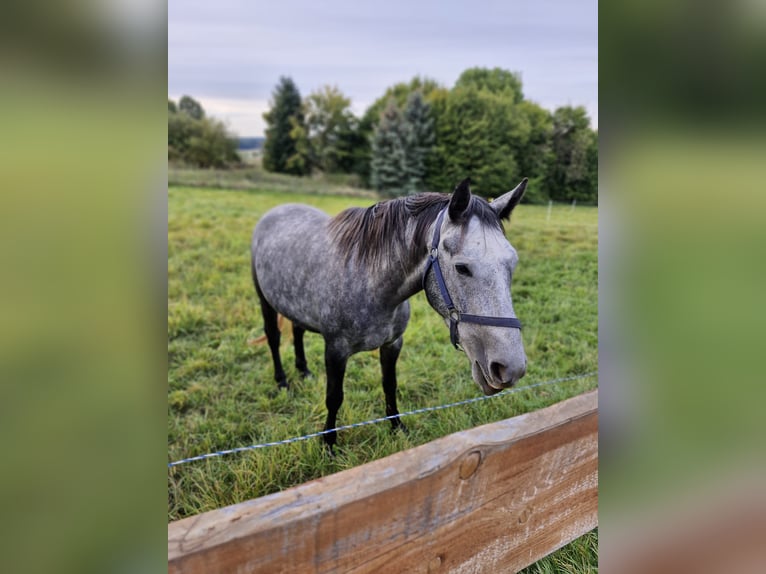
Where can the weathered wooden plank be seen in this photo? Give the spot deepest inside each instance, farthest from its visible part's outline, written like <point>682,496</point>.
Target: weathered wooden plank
<point>495,498</point>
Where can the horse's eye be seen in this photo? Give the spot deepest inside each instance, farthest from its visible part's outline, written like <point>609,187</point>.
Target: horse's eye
<point>463,270</point>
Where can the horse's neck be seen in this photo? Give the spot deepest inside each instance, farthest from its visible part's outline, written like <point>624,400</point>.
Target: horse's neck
<point>403,276</point>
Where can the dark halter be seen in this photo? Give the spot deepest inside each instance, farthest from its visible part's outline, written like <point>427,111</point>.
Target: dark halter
<point>455,316</point>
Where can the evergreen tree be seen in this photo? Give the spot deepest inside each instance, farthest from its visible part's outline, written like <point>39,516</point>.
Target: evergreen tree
<point>400,146</point>
<point>388,165</point>
<point>419,138</point>
<point>369,122</point>
<point>280,152</point>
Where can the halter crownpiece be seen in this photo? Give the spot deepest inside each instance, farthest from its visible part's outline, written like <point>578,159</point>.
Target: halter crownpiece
<point>455,316</point>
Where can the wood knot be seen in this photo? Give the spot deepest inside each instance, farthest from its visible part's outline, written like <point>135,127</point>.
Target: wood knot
<point>434,564</point>
<point>525,514</point>
<point>469,464</point>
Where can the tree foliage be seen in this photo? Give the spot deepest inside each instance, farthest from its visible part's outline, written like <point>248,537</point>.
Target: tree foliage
<point>417,136</point>
<point>418,140</point>
<point>400,147</point>
<point>198,140</point>
<point>478,134</point>
<point>485,129</point>
<point>399,93</point>
<point>388,169</point>
<point>496,81</point>
<point>571,164</point>
<point>331,128</point>
<point>212,146</point>
<point>191,107</point>
<point>280,151</point>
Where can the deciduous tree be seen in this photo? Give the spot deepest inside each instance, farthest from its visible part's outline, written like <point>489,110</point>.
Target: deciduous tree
<point>478,134</point>
<point>331,126</point>
<point>569,175</point>
<point>191,107</point>
<point>198,140</point>
<point>213,146</point>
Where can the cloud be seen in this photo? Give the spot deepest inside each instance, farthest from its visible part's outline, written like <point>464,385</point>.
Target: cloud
<point>236,51</point>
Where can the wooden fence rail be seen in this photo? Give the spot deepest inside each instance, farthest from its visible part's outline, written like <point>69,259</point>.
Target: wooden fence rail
<point>495,498</point>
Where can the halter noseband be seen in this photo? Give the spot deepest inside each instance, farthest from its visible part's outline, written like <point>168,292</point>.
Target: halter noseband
<point>455,316</point>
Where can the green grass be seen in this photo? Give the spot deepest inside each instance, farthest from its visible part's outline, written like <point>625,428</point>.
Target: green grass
<point>221,390</point>
<point>254,177</point>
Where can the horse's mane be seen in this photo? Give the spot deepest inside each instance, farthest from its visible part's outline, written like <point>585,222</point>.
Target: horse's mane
<point>377,234</point>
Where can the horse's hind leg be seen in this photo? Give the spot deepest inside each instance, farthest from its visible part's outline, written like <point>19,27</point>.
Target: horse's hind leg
<point>271,326</point>
<point>389,354</point>
<point>300,354</point>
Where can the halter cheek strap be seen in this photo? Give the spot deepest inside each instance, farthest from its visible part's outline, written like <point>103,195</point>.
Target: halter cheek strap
<point>455,316</point>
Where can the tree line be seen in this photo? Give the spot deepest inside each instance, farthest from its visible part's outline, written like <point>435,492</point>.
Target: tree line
<point>420,135</point>
<point>195,139</point>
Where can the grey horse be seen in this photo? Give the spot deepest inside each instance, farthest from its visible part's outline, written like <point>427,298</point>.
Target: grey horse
<point>349,278</point>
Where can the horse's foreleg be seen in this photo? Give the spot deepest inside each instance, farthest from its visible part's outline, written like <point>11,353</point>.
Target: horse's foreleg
<point>335,365</point>
<point>271,326</point>
<point>300,354</point>
<point>389,354</point>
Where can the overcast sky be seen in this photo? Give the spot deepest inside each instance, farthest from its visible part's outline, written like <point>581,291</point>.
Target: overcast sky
<point>229,54</point>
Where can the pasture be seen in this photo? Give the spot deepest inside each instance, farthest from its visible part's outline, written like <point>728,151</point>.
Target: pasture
<point>221,391</point>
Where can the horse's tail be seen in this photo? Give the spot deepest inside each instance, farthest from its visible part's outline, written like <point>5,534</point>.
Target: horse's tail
<point>255,276</point>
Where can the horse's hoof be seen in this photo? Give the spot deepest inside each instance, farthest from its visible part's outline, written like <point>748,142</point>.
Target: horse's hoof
<point>330,450</point>
<point>400,426</point>
<point>282,385</point>
<point>305,373</point>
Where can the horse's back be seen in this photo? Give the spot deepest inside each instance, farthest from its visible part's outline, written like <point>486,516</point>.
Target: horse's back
<point>289,215</point>
<point>289,252</point>
<point>289,226</point>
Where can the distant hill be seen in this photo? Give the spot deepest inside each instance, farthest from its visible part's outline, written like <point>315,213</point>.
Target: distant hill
<point>251,143</point>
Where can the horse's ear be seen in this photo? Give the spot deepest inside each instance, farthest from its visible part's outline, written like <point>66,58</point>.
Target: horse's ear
<point>504,204</point>
<point>461,197</point>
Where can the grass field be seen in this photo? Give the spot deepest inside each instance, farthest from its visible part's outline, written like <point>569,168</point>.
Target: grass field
<point>254,177</point>
<point>221,391</point>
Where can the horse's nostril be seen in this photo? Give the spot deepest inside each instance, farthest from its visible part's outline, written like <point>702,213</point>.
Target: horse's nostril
<point>500,372</point>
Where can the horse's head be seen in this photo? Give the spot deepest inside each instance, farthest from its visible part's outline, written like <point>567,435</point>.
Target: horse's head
<point>476,263</point>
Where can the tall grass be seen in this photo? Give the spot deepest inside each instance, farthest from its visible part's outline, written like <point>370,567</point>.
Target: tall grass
<point>221,391</point>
